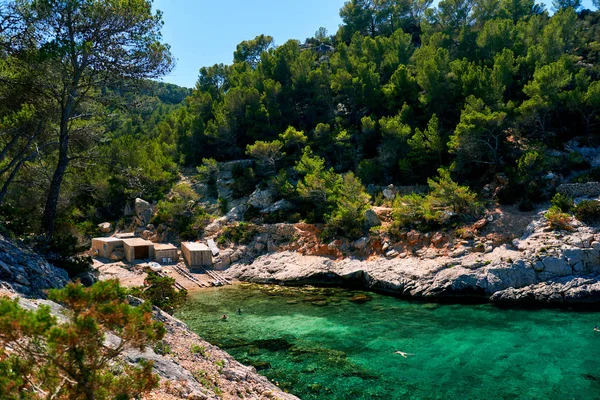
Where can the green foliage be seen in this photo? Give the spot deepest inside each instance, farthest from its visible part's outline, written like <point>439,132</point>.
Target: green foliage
<point>244,182</point>
<point>63,251</point>
<point>242,233</point>
<point>445,202</point>
<point>588,211</point>
<point>197,349</point>
<point>70,360</point>
<point>181,211</point>
<point>207,173</point>
<point>161,292</point>
<point>351,203</point>
<point>562,202</point>
<point>558,219</point>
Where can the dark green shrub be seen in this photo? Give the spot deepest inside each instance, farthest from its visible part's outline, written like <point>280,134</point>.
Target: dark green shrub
<point>161,292</point>
<point>242,233</point>
<point>562,201</point>
<point>207,173</point>
<point>588,211</point>
<point>244,181</point>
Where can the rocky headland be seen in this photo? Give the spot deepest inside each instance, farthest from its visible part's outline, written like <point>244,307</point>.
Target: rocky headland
<point>542,266</point>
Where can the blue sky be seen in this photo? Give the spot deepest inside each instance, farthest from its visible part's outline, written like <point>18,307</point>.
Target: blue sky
<point>205,32</point>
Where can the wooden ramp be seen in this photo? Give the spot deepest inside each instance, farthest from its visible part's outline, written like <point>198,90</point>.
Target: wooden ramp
<point>189,276</point>
<point>218,278</point>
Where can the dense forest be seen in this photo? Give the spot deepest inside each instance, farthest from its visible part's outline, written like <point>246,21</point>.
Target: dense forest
<point>403,93</point>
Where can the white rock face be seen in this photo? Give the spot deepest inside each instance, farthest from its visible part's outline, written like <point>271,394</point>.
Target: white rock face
<point>543,266</point>
<point>105,227</point>
<point>261,198</point>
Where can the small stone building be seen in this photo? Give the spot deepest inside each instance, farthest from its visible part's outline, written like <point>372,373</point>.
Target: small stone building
<point>104,247</point>
<point>165,253</point>
<point>138,249</point>
<point>196,254</point>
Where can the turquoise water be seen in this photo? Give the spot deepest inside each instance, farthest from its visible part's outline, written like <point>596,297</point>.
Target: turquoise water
<point>317,344</point>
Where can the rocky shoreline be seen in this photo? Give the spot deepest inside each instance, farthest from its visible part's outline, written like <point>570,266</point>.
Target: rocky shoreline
<point>191,368</point>
<point>543,267</point>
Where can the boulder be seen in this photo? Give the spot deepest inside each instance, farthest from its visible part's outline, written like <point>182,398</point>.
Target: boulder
<point>361,243</point>
<point>413,237</point>
<point>390,192</point>
<point>105,227</point>
<point>237,213</point>
<point>261,198</point>
<point>371,219</point>
<point>280,205</point>
<point>143,210</point>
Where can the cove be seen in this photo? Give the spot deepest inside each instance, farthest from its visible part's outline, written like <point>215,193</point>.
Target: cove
<point>325,343</point>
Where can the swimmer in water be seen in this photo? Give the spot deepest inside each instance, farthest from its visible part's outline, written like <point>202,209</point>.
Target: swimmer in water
<point>403,354</point>
<point>596,328</point>
<point>224,317</point>
<point>239,311</point>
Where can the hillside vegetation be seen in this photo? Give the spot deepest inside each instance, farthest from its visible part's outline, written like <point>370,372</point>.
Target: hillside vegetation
<point>453,97</point>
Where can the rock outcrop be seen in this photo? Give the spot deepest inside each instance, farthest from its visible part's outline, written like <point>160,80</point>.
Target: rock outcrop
<point>26,273</point>
<point>542,266</point>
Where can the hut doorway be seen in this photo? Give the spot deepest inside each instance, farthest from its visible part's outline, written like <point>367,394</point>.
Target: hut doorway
<point>141,252</point>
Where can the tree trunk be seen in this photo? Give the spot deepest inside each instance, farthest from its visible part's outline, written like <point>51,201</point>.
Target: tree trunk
<point>54,191</point>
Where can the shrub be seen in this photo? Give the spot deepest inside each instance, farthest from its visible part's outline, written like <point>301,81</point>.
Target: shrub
<point>207,173</point>
<point>243,233</point>
<point>446,201</point>
<point>161,292</point>
<point>588,211</point>
<point>351,203</point>
<point>562,201</point>
<point>244,181</point>
<point>558,219</point>
<point>72,360</point>
<point>197,349</point>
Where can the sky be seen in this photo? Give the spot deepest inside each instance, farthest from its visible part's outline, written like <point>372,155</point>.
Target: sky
<point>205,32</point>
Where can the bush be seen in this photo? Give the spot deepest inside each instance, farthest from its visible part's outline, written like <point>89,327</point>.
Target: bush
<point>207,173</point>
<point>446,201</point>
<point>244,181</point>
<point>351,203</point>
<point>243,233</point>
<point>562,201</point>
<point>161,292</point>
<point>588,211</point>
<point>71,359</point>
<point>558,219</point>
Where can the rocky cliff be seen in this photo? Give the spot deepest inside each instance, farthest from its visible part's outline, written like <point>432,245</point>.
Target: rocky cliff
<point>542,266</point>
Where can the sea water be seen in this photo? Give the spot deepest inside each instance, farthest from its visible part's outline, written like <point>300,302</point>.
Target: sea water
<point>330,344</point>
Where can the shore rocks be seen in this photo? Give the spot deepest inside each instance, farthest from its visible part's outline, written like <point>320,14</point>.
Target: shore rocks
<point>543,266</point>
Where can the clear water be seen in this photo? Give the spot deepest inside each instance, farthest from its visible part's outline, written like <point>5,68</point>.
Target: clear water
<point>317,344</point>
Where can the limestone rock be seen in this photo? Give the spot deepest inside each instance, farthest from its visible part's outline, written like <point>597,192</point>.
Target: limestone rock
<point>390,192</point>
<point>105,227</point>
<point>261,198</point>
<point>361,243</point>
<point>143,211</point>
<point>371,219</point>
<point>237,213</point>
<point>280,205</point>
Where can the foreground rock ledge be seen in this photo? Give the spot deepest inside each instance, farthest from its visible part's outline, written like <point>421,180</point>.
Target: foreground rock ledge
<point>543,266</point>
